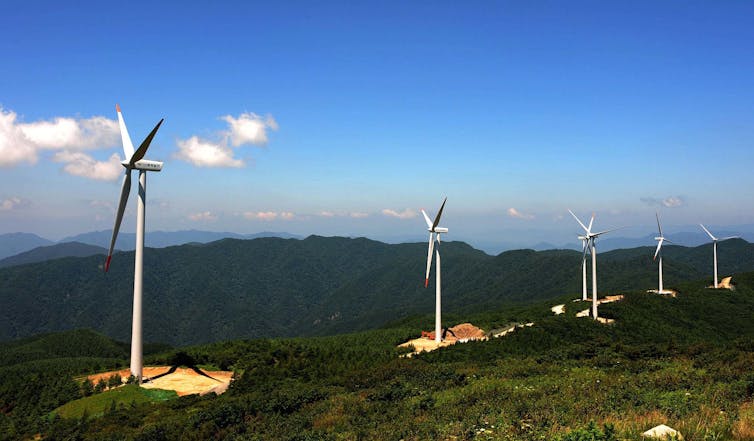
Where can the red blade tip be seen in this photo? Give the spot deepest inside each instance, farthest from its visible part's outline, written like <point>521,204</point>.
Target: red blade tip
<point>426,282</point>
<point>117,108</point>
<point>107,263</point>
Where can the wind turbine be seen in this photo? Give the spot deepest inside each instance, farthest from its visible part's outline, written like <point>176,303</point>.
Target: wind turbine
<point>434,229</point>
<point>590,239</point>
<point>134,161</point>
<point>660,240</point>
<point>714,247</point>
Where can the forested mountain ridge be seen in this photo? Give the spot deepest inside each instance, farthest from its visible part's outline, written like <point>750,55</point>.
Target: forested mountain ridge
<point>683,361</point>
<point>320,285</point>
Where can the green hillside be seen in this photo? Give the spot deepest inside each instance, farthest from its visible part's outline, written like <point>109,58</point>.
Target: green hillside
<point>283,287</point>
<point>109,401</point>
<point>683,361</point>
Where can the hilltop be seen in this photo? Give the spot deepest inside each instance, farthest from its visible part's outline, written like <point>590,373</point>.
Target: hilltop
<point>272,287</point>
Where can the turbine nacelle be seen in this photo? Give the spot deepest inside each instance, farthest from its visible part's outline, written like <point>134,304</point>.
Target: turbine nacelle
<point>144,164</point>
<point>439,230</point>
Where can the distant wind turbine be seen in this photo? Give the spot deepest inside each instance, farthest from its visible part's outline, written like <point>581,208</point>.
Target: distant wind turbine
<point>714,247</point>
<point>434,229</point>
<point>590,239</point>
<point>134,161</point>
<point>660,240</point>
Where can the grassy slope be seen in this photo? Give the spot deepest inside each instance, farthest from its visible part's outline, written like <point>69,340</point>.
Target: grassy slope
<point>124,396</point>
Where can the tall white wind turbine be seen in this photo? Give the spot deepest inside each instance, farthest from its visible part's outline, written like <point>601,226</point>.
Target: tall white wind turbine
<point>714,247</point>
<point>435,230</point>
<point>660,240</point>
<point>134,161</point>
<point>590,238</point>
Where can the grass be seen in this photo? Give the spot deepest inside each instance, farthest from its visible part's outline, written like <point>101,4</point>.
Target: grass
<point>99,404</point>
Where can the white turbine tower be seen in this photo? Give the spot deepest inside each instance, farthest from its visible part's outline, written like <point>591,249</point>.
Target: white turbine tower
<point>134,161</point>
<point>714,247</point>
<point>660,240</point>
<point>434,229</point>
<point>590,239</point>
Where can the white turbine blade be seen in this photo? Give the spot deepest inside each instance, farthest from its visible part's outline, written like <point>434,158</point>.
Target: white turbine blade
<point>659,245</point>
<point>426,218</point>
<point>729,237</point>
<point>591,221</point>
<point>657,215</point>
<point>124,192</point>
<point>439,213</point>
<point>128,147</point>
<point>586,248</point>
<point>708,233</point>
<point>430,248</point>
<point>142,150</point>
<point>579,221</point>
<point>607,231</point>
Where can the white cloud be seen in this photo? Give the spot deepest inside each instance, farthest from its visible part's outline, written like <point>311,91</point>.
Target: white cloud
<point>249,128</point>
<point>246,129</point>
<point>204,216</point>
<point>70,133</point>
<point>203,153</point>
<point>405,214</point>
<point>669,202</point>
<point>358,215</point>
<point>261,215</point>
<point>81,164</point>
<point>512,212</point>
<point>287,215</point>
<point>13,203</point>
<point>22,142</point>
<point>326,214</point>
<point>15,147</point>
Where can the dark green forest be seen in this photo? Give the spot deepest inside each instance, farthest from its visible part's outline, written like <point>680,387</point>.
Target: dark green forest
<point>683,361</point>
<point>272,287</point>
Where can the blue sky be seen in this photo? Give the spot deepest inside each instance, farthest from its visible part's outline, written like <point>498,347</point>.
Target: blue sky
<point>362,113</point>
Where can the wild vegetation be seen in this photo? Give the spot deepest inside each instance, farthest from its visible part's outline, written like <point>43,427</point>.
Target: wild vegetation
<point>275,287</point>
<point>683,361</point>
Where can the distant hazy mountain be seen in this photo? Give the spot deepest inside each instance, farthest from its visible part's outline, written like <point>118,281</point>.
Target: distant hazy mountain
<point>57,251</point>
<point>320,285</point>
<point>14,243</point>
<point>161,239</point>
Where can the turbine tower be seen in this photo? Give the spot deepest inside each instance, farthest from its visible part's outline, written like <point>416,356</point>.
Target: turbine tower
<point>435,230</point>
<point>660,240</point>
<point>714,247</point>
<point>590,239</point>
<point>134,161</point>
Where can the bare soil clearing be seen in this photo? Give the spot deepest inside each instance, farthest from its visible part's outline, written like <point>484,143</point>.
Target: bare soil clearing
<point>183,381</point>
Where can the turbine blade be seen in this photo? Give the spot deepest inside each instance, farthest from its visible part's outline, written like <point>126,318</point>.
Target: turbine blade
<point>708,233</point>
<point>607,231</point>
<point>128,147</point>
<point>142,150</point>
<point>426,218</point>
<point>657,215</point>
<point>586,248</point>
<point>591,221</point>
<point>579,221</point>
<point>729,237</point>
<point>659,245</point>
<point>124,191</point>
<point>439,213</point>
<point>430,248</point>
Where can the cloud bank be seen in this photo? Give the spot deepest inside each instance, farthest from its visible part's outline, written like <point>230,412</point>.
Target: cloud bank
<point>22,142</point>
<point>668,202</point>
<point>246,129</point>
<point>512,212</point>
<point>405,214</point>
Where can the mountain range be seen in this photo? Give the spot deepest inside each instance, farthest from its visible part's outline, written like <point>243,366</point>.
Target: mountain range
<point>270,287</point>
